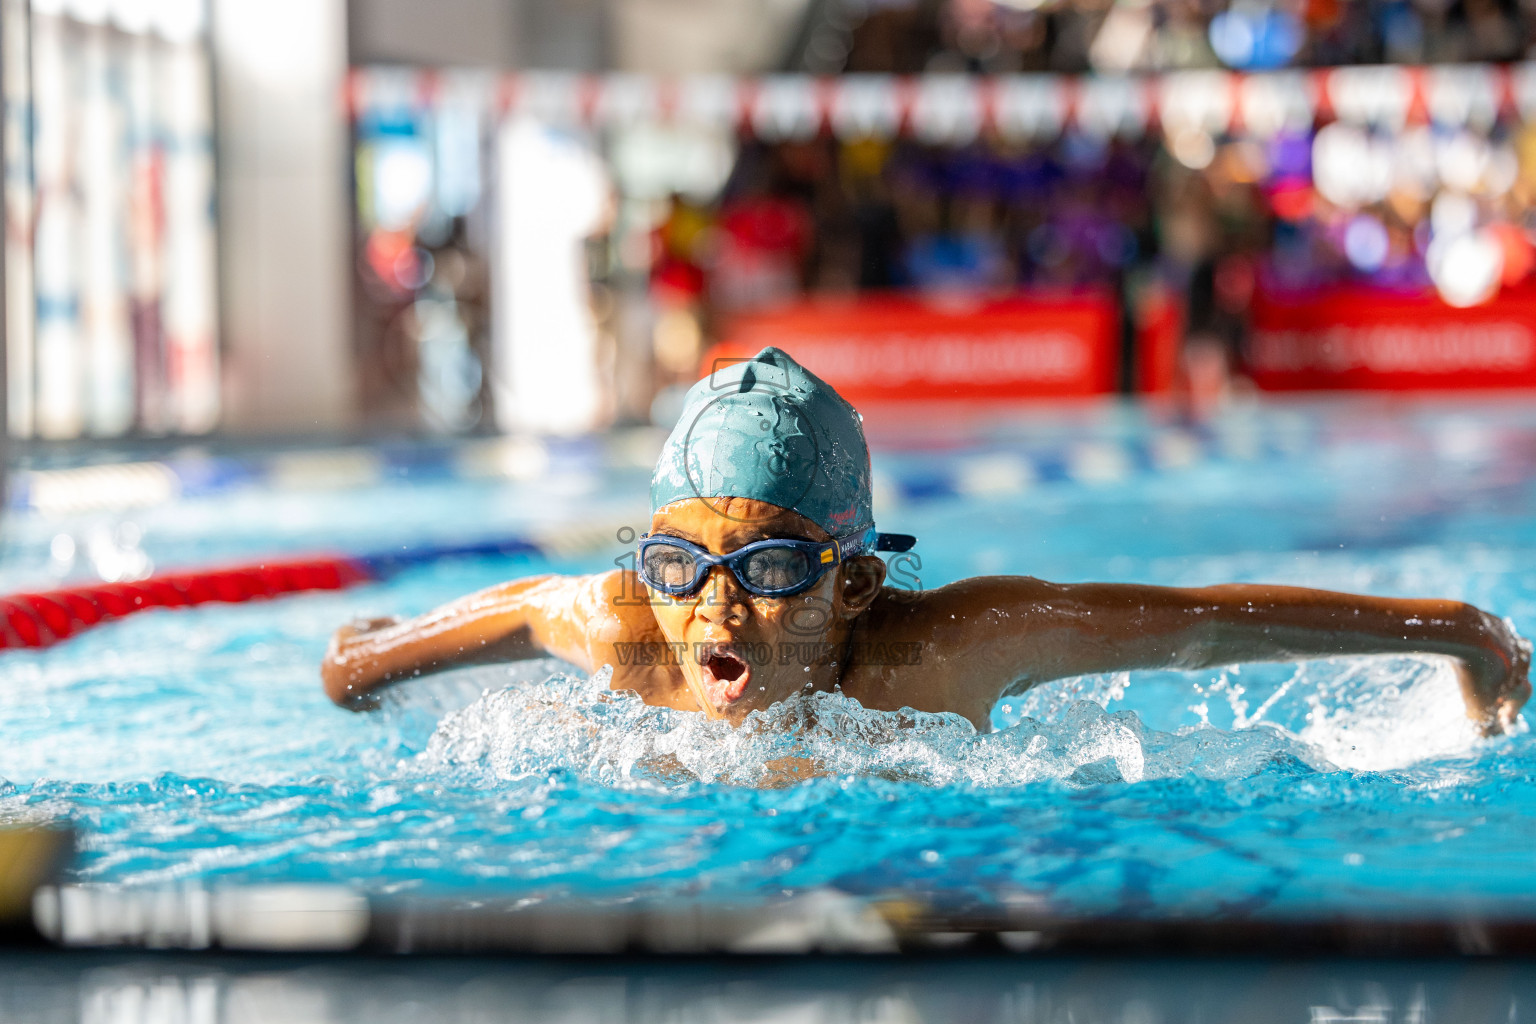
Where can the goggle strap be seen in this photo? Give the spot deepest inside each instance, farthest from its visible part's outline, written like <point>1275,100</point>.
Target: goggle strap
<point>871,540</point>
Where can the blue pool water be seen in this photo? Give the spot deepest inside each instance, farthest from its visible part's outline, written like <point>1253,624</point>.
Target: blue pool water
<point>196,747</point>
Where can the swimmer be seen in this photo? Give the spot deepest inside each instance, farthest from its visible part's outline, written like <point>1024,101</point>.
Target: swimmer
<point>758,579</point>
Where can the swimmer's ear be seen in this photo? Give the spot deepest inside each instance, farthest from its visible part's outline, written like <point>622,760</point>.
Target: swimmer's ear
<point>862,577</point>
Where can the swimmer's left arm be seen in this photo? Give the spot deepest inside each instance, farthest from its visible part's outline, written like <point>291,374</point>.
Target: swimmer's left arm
<point>1078,629</point>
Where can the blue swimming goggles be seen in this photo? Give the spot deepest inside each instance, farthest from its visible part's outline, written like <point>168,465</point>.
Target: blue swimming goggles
<point>776,567</point>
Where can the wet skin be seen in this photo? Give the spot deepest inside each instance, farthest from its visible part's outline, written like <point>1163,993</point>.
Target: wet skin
<point>957,648</point>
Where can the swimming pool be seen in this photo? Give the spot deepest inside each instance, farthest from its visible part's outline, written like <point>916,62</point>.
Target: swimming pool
<point>195,746</point>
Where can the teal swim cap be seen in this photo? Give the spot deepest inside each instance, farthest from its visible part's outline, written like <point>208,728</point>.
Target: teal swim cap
<point>768,428</point>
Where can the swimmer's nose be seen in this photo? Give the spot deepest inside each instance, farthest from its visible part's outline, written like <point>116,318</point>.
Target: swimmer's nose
<point>721,600</point>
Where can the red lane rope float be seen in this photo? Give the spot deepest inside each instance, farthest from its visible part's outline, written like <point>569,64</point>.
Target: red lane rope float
<point>44,618</point>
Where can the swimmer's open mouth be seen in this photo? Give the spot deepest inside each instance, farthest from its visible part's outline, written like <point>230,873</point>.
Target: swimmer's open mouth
<point>726,675</point>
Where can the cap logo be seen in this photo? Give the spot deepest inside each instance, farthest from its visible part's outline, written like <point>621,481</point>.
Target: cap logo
<point>773,453</point>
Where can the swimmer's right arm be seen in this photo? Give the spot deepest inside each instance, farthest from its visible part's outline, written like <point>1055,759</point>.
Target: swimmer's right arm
<point>529,618</point>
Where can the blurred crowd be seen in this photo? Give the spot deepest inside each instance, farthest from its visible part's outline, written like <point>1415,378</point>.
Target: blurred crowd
<point>1207,216</point>
<point>999,36</point>
<point>1299,212</point>
<point>1211,219</point>
<point>839,216</point>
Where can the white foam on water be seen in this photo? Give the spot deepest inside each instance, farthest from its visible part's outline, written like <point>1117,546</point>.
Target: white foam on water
<point>1358,714</point>
<point>575,724</point>
<point>1377,714</point>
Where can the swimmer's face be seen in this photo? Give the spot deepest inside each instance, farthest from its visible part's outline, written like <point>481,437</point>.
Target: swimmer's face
<point>743,652</point>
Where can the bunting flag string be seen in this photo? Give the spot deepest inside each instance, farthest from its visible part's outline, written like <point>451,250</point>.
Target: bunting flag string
<point>952,109</point>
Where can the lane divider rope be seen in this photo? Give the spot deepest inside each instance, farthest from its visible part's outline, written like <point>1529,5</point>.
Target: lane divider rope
<point>43,618</point>
<point>111,486</point>
<point>1004,467</point>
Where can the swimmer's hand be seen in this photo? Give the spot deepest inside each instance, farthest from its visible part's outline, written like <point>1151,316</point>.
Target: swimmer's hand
<point>336,670</point>
<point>1496,686</point>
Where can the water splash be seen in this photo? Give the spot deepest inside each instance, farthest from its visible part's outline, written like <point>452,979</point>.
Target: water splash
<point>1376,714</point>
<point>567,723</point>
<point>1052,699</point>
<point>1356,714</point>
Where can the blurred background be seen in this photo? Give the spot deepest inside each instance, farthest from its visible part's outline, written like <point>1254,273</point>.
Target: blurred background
<point>404,294</point>
<point>471,217</point>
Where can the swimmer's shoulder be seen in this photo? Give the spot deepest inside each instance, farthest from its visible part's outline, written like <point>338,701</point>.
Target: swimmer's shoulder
<point>953,612</point>
<point>622,632</point>
<point>927,649</point>
<point>616,608</point>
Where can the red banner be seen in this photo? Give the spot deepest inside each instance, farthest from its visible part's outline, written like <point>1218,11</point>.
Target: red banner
<point>1363,338</point>
<point>903,347</point>
<point>1159,341</point>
